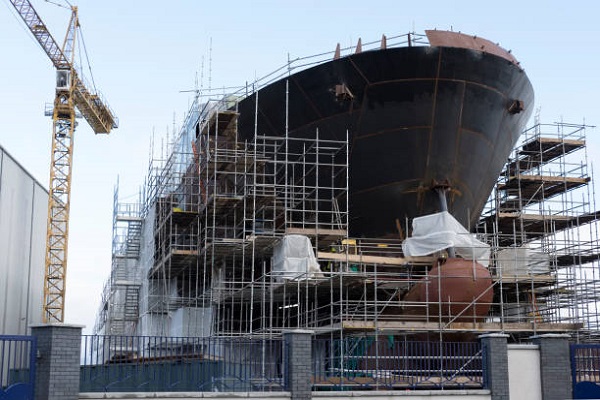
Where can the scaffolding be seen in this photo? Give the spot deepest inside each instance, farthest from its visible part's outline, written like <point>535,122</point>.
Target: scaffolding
<point>543,225</point>
<point>216,207</point>
<point>219,211</point>
<point>119,306</point>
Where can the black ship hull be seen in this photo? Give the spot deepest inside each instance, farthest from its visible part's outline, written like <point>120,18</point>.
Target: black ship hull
<point>417,118</point>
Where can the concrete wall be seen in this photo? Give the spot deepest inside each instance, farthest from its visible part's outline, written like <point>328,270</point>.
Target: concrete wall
<point>363,395</point>
<point>23,212</point>
<point>524,372</point>
<point>407,395</point>
<point>187,395</point>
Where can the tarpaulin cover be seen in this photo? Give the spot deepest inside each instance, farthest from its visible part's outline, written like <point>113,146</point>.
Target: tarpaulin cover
<point>294,258</point>
<point>437,232</point>
<point>522,261</point>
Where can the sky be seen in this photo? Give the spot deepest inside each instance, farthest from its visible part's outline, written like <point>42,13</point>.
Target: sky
<point>148,57</point>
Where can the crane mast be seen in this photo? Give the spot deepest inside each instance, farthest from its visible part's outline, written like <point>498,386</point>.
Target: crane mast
<point>71,93</point>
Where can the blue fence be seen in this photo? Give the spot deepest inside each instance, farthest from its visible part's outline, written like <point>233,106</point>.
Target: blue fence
<point>585,367</point>
<point>17,367</point>
<point>392,363</point>
<point>158,364</point>
<point>149,364</point>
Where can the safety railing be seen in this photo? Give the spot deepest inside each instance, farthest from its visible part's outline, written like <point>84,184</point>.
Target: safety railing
<point>237,364</point>
<point>176,364</point>
<point>389,363</point>
<point>297,64</point>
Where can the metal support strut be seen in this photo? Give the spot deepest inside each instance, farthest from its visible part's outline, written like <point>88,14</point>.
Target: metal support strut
<point>441,191</point>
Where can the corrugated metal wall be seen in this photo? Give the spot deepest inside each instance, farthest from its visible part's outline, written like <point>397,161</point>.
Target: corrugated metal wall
<point>23,212</point>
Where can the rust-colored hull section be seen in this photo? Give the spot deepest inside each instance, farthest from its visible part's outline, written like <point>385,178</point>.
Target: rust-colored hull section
<point>460,290</point>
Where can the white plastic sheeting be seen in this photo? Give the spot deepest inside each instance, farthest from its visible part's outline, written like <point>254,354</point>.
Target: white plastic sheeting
<point>192,321</point>
<point>437,232</point>
<point>522,261</point>
<point>294,258</point>
<point>23,211</point>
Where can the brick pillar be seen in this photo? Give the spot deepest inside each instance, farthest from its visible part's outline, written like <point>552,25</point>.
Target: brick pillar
<point>57,366</point>
<point>298,363</point>
<point>555,366</point>
<point>495,365</point>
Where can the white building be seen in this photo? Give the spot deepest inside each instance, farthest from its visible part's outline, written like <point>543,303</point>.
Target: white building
<point>23,213</point>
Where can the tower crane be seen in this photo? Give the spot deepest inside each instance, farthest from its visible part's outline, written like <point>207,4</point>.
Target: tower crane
<point>71,94</point>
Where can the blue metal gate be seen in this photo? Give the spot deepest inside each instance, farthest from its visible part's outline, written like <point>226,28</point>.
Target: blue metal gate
<point>17,367</point>
<point>585,367</point>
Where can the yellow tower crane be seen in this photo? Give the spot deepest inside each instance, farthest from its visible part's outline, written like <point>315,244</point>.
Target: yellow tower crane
<point>71,94</point>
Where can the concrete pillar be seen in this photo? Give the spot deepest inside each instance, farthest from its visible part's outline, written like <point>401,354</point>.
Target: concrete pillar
<point>298,363</point>
<point>495,365</point>
<point>555,366</point>
<point>57,366</point>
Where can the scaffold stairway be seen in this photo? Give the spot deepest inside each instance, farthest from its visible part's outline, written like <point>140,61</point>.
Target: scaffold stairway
<point>131,302</point>
<point>134,233</point>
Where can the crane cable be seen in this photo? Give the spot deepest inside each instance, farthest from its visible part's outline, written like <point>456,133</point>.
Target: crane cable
<point>60,5</point>
<point>89,63</point>
<point>20,24</point>
<point>78,27</point>
<point>32,38</point>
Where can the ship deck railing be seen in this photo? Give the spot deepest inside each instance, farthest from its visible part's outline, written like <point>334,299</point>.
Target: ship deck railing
<point>224,98</point>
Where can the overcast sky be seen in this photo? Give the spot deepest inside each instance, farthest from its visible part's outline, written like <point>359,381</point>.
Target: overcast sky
<point>145,53</point>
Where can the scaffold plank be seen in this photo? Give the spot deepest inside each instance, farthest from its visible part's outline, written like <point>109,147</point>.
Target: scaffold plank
<point>367,259</point>
<point>531,279</point>
<point>542,150</point>
<point>423,326</point>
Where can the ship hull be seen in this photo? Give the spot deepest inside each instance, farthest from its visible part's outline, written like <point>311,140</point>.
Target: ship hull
<point>459,290</point>
<point>417,118</point>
